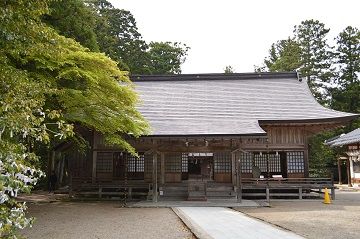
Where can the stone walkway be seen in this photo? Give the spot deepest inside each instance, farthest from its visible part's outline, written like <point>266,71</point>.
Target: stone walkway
<point>208,203</point>
<point>221,223</point>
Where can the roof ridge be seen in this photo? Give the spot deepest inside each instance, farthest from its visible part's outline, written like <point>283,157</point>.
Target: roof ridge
<point>216,76</point>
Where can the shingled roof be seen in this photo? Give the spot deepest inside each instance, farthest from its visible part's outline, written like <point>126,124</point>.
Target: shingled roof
<point>345,139</point>
<point>227,104</point>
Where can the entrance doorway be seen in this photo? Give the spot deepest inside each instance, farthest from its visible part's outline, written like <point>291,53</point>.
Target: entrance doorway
<point>200,167</point>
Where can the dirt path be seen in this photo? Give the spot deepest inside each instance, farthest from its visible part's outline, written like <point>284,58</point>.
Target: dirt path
<point>313,219</point>
<point>103,220</point>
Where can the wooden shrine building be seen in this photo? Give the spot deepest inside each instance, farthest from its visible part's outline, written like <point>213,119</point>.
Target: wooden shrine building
<point>212,133</point>
<point>351,142</point>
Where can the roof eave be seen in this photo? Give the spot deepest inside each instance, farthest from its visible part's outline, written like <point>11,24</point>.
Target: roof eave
<point>343,119</point>
<point>253,135</point>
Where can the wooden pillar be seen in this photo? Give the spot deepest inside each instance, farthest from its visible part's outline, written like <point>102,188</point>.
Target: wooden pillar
<point>155,198</point>
<point>306,157</point>
<point>94,158</point>
<point>233,168</point>
<point>348,172</point>
<point>339,171</point>
<point>333,193</point>
<point>52,161</point>
<point>61,171</point>
<point>162,168</point>
<point>267,159</point>
<point>93,175</point>
<point>238,180</point>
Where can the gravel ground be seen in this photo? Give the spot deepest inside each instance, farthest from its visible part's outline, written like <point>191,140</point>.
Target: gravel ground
<point>313,219</point>
<point>103,220</point>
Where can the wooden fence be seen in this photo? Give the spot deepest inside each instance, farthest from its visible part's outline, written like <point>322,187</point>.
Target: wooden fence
<point>285,187</point>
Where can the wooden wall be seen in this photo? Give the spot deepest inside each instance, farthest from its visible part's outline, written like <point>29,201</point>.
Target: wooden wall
<point>280,138</point>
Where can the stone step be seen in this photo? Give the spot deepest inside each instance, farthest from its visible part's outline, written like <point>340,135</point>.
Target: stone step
<point>197,193</point>
<point>220,189</point>
<point>197,198</point>
<point>174,193</point>
<point>223,193</point>
<point>162,198</point>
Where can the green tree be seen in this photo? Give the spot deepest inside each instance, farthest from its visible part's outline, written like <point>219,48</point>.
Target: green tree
<point>284,56</point>
<point>228,69</point>
<point>345,96</point>
<point>73,19</point>
<point>309,52</point>
<point>23,118</point>
<point>348,56</point>
<point>315,56</point>
<point>48,83</point>
<point>119,38</point>
<point>166,57</point>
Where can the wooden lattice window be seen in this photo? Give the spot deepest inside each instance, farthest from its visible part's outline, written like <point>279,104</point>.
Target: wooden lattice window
<point>184,162</point>
<point>173,162</point>
<point>274,163</point>
<point>148,164</point>
<point>136,164</point>
<point>104,162</point>
<point>260,160</point>
<point>246,162</point>
<point>295,162</point>
<point>222,162</point>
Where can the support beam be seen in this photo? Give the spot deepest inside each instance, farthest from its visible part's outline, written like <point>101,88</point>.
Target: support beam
<point>61,171</point>
<point>162,168</point>
<point>155,185</point>
<point>238,180</point>
<point>93,175</point>
<point>233,168</point>
<point>348,172</point>
<point>268,194</point>
<point>52,162</point>
<point>306,154</point>
<point>339,171</point>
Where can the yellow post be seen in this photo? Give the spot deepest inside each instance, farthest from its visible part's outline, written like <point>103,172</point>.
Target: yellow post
<point>327,199</point>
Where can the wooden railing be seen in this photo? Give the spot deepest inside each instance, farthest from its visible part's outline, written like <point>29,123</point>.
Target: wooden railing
<point>302,185</point>
<point>128,189</point>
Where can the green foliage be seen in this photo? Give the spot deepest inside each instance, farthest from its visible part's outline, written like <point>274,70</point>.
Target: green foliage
<point>337,87</point>
<point>348,56</point>
<point>88,87</point>
<point>346,96</point>
<point>315,55</point>
<point>284,56</point>
<point>228,69</point>
<point>47,84</point>
<point>166,57</point>
<point>321,156</point>
<point>307,52</point>
<point>73,19</point>
<point>119,38</point>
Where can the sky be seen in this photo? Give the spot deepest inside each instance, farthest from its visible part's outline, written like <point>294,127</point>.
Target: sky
<point>233,32</point>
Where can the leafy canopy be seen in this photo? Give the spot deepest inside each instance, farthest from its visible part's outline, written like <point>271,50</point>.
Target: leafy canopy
<point>48,83</point>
